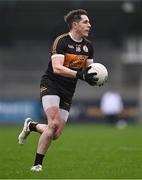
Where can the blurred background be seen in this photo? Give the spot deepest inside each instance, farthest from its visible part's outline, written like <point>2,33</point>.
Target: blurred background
<point>27,30</point>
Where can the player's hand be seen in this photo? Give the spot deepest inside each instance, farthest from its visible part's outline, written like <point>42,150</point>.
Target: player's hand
<point>88,77</point>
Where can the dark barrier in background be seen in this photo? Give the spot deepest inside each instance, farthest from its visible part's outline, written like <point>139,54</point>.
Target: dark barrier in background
<point>89,111</point>
<point>14,111</point>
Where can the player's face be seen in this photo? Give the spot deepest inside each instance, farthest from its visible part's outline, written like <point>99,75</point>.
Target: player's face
<point>83,26</point>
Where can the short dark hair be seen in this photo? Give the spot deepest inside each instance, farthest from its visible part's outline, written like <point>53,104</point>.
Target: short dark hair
<point>74,15</point>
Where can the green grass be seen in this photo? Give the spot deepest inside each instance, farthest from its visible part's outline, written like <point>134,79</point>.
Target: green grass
<point>82,152</point>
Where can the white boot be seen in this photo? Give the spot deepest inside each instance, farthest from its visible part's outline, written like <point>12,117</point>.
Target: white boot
<point>37,168</point>
<point>25,131</point>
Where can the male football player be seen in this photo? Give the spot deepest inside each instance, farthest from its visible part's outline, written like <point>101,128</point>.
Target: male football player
<point>70,57</point>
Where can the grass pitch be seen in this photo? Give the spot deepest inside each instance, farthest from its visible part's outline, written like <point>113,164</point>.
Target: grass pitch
<point>82,152</point>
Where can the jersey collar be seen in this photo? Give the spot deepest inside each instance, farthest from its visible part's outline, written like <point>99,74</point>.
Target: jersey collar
<point>74,38</point>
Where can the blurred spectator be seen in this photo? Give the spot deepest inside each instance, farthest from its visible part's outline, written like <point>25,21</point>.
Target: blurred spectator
<point>111,106</point>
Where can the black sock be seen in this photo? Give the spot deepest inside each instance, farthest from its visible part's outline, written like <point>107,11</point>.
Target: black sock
<point>38,159</point>
<point>32,126</point>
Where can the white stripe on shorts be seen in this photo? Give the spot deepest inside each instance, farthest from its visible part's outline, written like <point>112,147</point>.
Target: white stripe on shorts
<point>64,114</point>
<point>49,101</point>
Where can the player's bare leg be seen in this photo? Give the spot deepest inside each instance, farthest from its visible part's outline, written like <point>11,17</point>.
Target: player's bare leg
<point>41,128</point>
<point>55,127</point>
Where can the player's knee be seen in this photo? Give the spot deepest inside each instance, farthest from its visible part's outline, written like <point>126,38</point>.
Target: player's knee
<point>48,133</point>
<point>56,136</point>
<point>54,126</point>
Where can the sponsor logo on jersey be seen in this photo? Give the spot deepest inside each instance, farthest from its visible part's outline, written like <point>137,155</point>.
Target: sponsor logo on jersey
<point>82,57</point>
<point>85,48</point>
<point>70,46</point>
<point>75,61</point>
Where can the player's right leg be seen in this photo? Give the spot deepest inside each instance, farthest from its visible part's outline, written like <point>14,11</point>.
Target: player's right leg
<point>55,121</point>
<point>55,124</point>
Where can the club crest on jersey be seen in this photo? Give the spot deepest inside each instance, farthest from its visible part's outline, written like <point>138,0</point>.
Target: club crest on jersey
<point>85,48</point>
<point>78,48</point>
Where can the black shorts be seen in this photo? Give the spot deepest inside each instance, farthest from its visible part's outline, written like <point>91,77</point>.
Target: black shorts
<point>51,88</point>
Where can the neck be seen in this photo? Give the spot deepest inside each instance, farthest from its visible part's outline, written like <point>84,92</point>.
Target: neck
<point>75,36</point>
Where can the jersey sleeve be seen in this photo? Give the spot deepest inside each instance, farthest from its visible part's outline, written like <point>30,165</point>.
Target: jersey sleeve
<point>58,46</point>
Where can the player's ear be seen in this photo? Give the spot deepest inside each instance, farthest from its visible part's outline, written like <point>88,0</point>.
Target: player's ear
<point>74,24</point>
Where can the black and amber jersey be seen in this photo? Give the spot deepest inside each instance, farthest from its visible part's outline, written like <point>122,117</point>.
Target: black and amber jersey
<point>75,54</point>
